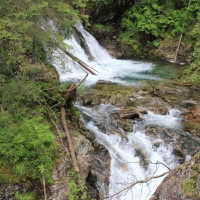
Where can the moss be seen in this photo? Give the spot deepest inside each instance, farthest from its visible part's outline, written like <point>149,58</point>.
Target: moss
<point>6,175</point>
<point>188,187</point>
<point>120,92</point>
<point>76,114</point>
<point>196,166</point>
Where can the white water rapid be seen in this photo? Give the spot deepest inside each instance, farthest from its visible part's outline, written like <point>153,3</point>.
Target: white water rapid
<point>126,166</point>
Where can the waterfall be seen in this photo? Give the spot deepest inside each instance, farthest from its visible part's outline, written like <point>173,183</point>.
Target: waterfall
<point>126,72</point>
<point>126,166</point>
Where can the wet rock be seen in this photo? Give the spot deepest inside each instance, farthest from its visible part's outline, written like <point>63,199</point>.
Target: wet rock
<point>84,153</point>
<point>100,169</point>
<point>125,124</point>
<point>158,110</point>
<point>90,100</point>
<point>178,152</point>
<point>143,93</point>
<point>182,183</point>
<point>113,49</point>
<point>59,188</point>
<point>118,132</point>
<point>143,157</point>
<point>104,82</point>
<point>189,145</point>
<point>167,49</point>
<point>103,101</point>
<point>128,113</point>
<point>113,99</point>
<point>118,100</point>
<point>156,144</point>
<point>159,132</point>
<point>88,134</point>
<point>194,114</point>
<point>142,111</point>
<point>169,136</point>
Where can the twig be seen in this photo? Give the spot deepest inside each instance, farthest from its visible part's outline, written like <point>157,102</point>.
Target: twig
<point>135,183</point>
<point>158,162</point>
<point>149,191</point>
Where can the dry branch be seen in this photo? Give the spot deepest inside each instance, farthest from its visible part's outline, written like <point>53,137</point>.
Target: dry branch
<point>126,189</point>
<point>71,148</point>
<point>63,118</point>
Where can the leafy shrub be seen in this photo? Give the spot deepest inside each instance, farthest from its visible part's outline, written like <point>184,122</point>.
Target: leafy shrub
<point>25,146</point>
<point>76,188</point>
<point>25,196</point>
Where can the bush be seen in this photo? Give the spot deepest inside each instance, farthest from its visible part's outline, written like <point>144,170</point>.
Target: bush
<point>76,188</point>
<point>25,146</point>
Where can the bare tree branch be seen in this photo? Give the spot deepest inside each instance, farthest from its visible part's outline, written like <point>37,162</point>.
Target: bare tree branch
<point>135,183</point>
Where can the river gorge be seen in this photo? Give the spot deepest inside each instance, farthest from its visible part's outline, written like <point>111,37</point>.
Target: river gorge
<point>137,114</point>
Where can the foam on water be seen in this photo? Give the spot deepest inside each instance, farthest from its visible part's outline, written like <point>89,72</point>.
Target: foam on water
<point>170,120</point>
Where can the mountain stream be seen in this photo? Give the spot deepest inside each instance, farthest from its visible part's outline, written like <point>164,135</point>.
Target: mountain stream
<point>126,166</point>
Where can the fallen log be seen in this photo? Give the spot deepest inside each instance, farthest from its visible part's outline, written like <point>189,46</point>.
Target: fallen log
<point>63,118</point>
<point>84,65</point>
<point>71,148</point>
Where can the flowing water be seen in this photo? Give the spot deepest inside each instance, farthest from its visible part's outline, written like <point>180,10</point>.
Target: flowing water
<point>126,167</point>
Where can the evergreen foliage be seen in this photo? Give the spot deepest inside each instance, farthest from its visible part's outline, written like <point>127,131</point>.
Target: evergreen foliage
<point>148,22</point>
<point>27,27</point>
<point>192,73</point>
<point>157,18</point>
<point>29,89</point>
<point>26,146</point>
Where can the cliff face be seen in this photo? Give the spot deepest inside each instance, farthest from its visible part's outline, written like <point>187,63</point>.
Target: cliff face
<point>182,183</point>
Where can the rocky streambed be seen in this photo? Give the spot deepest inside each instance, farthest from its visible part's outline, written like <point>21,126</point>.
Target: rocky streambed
<point>133,105</point>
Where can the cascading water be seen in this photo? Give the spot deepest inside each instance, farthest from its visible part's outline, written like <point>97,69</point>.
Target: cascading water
<point>109,69</point>
<point>126,165</point>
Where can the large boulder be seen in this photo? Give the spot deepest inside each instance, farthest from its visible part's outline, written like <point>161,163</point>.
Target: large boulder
<point>100,170</point>
<point>84,154</point>
<point>128,113</point>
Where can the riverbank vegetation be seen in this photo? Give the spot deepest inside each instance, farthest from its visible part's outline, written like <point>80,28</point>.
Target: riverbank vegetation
<point>160,29</point>
<point>30,95</point>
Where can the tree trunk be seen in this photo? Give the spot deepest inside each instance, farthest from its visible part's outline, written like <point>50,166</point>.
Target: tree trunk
<point>71,148</point>
<point>177,50</point>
